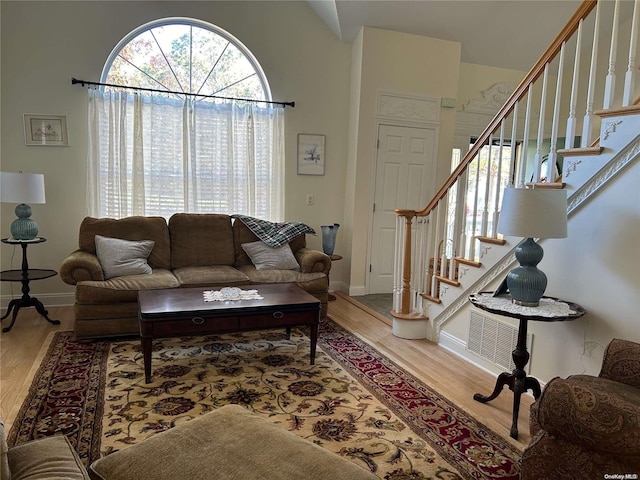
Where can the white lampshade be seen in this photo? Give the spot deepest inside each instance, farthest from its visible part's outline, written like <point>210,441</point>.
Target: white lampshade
<point>533,213</point>
<point>18,187</point>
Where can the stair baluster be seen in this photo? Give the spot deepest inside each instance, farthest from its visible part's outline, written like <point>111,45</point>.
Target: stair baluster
<point>435,242</point>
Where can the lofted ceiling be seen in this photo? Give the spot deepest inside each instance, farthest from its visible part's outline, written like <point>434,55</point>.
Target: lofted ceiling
<point>500,33</point>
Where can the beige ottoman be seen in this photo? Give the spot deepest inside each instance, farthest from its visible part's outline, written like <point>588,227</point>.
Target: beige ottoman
<point>228,443</point>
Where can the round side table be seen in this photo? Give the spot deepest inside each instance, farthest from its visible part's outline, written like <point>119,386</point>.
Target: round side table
<point>25,275</point>
<point>550,310</point>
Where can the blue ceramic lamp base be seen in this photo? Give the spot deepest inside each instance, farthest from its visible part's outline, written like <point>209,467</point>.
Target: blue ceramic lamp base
<point>24,228</point>
<point>526,283</point>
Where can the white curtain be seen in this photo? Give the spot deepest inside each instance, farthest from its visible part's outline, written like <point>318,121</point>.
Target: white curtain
<point>156,155</point>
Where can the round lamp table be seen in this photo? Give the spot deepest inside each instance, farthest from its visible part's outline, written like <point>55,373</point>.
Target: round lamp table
<point>25,275</point>
<point>549,310</point>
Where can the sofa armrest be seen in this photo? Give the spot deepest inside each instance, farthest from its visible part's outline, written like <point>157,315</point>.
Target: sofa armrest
<point>592,412</point>
<point>621,362</point>
<point>79,266</point>
<point>312,261</point>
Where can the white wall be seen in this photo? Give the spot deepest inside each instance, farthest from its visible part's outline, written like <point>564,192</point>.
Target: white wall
<point>404,63</point>
<point>45,43</point>
<point>474,79</point>
<point>597,266</point>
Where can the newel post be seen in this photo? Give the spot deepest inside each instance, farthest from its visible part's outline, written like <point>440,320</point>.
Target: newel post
<point>405,293</point>
<point>406,323</point>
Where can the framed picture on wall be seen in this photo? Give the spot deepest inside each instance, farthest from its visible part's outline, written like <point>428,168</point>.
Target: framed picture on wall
<point>311,154</point>
<point>45,130</point>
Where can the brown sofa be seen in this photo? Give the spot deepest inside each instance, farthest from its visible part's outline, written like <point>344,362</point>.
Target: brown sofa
<point>190,250</point>
<point>226,444</point>
<point>589,427</point>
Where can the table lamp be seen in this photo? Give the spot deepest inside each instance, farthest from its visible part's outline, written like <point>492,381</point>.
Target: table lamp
<point>531,213</point>
<point>22,188</point>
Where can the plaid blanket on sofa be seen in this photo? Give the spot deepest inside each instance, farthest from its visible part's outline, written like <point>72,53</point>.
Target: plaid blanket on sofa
<point>274,234</point>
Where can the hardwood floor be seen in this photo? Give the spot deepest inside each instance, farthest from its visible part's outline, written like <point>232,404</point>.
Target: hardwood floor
<point>21,352</point>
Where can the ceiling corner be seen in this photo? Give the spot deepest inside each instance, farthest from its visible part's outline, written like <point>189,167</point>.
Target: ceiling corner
<point>327,10</point>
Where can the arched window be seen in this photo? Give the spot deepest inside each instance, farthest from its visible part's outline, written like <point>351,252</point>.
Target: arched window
<point>186,55</point>
<point>168,151</point>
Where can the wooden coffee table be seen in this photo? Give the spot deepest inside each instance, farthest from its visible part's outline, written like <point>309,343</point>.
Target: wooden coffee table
<point>177,312</point>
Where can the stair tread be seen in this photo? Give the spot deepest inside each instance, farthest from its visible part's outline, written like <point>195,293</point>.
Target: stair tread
<point>495,241</point>
<point>430,298</point>
<point>547,185</point>
<point>568,152</point>
<point>448,281</point>
<point>471,263</point>
<point>614,112</point>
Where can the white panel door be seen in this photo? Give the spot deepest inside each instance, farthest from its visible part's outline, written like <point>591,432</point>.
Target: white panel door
<point>404,164</point>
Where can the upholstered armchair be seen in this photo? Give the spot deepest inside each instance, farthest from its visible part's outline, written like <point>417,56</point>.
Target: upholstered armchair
<point>585,426</point>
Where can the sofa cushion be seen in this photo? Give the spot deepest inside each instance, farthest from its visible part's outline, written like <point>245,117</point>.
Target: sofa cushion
<point>201,240</point>
<point>211,276</point>
<point>123,289</point>
<point>130,228</point>
<point>50,458</point>
<point>227,443</point>
<point>242,234</point>
<point>123,257</point>
<point>309,282</point>
<point>265,257</point>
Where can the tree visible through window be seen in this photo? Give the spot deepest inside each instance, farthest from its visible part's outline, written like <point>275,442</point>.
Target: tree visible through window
<point>161,153</point>
<point>186,56</point>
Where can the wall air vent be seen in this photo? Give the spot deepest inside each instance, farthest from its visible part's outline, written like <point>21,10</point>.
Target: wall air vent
<point>494,340</point>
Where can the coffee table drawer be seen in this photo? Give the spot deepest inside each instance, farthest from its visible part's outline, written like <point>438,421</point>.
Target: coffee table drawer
<point>188,326</point>
<point>277,318</point>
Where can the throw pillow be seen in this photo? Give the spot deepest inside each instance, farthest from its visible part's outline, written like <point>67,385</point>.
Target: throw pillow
<point>119,257</point>
<point>265,257</point>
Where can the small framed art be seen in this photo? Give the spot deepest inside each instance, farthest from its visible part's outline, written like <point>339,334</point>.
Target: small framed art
<point>45,130</point>
<point>311,154</point>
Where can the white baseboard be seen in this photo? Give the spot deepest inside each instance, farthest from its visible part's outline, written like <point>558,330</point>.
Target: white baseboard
<point>48,299</point>
<point>338,286</point>
<point>357,291</point>
<point>459,348</point>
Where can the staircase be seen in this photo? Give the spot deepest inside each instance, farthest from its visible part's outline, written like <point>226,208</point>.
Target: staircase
<point>538,139</point>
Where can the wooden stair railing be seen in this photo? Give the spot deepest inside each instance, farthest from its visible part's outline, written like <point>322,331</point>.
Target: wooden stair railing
<point>538,69</point>
<point>595,148</point>
<point>445,217</point>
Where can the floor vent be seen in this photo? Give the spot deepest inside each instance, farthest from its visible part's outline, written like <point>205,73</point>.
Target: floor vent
<point>494,340</point>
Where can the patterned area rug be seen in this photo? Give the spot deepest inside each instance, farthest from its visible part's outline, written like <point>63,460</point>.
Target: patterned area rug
<point>353,401</point>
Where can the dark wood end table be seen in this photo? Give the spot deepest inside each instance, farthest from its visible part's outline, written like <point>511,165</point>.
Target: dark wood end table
<point>179,312</point>
<point>334,258</point>
<point>550,310</point>
<point>25,275</point>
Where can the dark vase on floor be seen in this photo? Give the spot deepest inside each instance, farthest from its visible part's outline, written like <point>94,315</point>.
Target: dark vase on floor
<point>329,233</point>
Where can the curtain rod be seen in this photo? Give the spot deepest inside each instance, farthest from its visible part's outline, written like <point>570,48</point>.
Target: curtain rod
<point>75,81</point>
